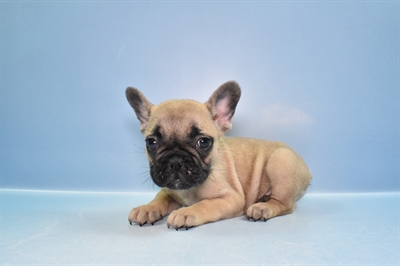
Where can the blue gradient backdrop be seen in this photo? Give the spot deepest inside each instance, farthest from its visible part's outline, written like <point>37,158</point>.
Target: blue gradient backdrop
<point>322,76</point>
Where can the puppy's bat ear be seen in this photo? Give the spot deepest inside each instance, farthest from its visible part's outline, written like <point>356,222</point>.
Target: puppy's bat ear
<point>140,105</point>
<point>222,105</point>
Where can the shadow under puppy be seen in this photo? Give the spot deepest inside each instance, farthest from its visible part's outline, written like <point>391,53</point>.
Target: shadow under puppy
<point>204,176</point>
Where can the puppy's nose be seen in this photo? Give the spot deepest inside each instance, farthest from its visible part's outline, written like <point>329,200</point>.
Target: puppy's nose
<point>175,163</point>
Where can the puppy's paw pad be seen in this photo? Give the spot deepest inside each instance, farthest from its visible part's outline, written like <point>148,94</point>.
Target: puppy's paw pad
<point>145,214</point>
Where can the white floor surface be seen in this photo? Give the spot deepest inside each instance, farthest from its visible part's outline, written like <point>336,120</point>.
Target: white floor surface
<point>66,228</point>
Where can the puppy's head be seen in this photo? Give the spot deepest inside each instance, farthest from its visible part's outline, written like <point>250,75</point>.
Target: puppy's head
<point>182,135</point>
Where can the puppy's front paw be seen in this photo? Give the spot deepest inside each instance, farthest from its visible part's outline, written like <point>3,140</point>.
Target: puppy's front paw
<point>183,218</point>
<point>259,211</point>
<point>145,214</point>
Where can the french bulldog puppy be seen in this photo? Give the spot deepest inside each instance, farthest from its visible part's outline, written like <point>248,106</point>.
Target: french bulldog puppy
<point>205,176</point>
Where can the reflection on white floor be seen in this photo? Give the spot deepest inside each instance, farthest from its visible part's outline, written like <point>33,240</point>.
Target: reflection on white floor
<point>92,228</point>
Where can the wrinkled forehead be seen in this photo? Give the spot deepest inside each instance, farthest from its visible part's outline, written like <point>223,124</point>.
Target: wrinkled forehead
<point>179,119</point>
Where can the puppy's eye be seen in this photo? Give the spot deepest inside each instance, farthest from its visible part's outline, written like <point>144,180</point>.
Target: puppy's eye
<point>204,143</point>
<point>151,143</point>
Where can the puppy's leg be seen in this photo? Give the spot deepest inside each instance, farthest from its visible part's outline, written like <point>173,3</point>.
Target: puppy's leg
<point>158,208</point>
<point>207,210</point>
<point>289,178</point>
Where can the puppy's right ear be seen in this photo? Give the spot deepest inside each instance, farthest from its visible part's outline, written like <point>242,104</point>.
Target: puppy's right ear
<point>140,105</point>
<point>222,105</point>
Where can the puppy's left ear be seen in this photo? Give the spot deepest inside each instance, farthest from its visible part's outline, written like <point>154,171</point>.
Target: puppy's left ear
<point>222,105</point>
<point>140,105</point>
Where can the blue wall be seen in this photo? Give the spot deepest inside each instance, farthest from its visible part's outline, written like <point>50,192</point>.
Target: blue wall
<point>321,76</point>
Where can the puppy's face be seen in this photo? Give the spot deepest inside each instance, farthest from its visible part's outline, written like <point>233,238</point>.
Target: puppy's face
<point>182,135</point>
<point>180,138</point>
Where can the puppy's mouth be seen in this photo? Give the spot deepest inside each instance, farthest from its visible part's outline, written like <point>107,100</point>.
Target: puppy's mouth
<point>179,172</point>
